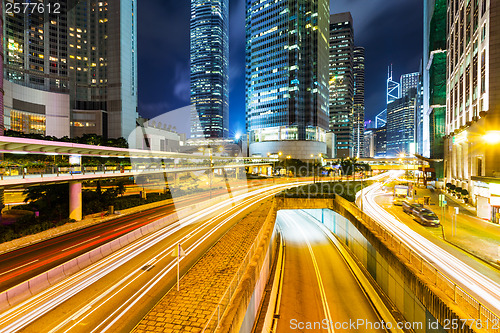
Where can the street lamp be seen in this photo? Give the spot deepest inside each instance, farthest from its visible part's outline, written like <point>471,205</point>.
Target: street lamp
<point>272,171</point>
<point>492,137</point>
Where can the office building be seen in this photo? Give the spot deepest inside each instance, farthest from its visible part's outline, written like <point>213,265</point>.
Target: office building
<point>419,114</point>
<point>369,144</point>
<point>86,52</point>
<point>393,87</point>
<point>102,49</point>
<point>359,101</point>
<point>401,125</point>
<point>381,118</point>
<point>36,72</point>
<point>209,55</point>
<point>287,77</point>
<point>341,100</point>
<point>409,81</point>
<point>434,83</point>
<point>380,139</point>
<point>472,145</point>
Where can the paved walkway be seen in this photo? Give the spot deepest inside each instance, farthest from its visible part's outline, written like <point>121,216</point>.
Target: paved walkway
<point>204,284</point>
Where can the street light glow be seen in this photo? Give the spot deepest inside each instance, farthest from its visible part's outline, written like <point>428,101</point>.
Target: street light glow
<point>492,137</point>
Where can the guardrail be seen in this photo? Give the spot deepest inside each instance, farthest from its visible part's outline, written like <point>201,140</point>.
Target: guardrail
<point>214,320</point>
<point>18,172</point>
<point>480,317</point>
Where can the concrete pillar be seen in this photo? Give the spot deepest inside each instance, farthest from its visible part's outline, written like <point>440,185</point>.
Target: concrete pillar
<point>75,201</point>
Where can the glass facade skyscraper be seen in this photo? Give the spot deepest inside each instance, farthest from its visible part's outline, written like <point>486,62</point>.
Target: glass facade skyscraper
<point>359,100</point>
<point>342,83</point>
<point>209,68</point>
<point>287,76</point>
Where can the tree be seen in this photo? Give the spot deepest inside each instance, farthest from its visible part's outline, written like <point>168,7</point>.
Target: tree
<point>49,199</point>
<point>120,188</point>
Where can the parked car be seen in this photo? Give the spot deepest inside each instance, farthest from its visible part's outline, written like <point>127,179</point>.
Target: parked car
<point>417,209</point>
<point>398,200</point>
<point>427,218</point>
<point>408,206</point>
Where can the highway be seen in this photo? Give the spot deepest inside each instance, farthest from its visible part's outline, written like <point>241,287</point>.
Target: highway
<point>22,264</point>
<point>318,286</point>
<point>116,292</point>
<point>484,289</point>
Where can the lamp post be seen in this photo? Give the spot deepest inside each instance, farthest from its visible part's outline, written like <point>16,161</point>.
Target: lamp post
<point>273,170</point>
<point>286,165</point>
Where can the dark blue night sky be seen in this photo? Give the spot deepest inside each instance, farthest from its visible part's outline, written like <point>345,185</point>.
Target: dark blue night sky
<point>390,30</point>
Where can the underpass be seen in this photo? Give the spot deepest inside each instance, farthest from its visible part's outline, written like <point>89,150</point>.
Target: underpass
<point>321,291</point>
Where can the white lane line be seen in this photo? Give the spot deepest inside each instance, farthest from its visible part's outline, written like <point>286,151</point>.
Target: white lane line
<point>125,226</point>
<point>10,270</point>
<point>88,240</point>
<point>324,300</point>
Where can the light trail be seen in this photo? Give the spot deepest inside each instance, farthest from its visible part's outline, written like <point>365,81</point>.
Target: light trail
<point>484,289</point>
<point>34,308</point>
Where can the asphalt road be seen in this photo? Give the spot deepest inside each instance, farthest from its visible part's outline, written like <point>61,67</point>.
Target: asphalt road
<point>473,276</point>
<point>22,264</point>
<point>318,286</point>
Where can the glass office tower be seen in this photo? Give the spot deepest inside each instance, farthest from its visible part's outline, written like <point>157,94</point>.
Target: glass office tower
<point>359,101</point>
<point>287,77</point>
<point>209,68</point>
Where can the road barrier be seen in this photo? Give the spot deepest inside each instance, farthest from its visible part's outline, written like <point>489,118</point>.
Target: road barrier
<point>440,295</point>
<point>473,310</point>
<point>237,308</point>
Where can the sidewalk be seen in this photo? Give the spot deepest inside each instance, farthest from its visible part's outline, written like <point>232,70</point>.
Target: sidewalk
<point>205,283</point>
<point>471,233</point>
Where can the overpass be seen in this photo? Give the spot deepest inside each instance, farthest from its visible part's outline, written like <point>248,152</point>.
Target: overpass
<point>142,162</point>
<point>387,163</point>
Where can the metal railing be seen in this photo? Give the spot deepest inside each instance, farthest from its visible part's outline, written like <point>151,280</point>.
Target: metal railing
<point>20,172</point>
<point>480,317</point>
<point>214,320</point>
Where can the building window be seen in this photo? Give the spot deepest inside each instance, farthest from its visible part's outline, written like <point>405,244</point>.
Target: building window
<point>483,72</point>
<point>479,167</point>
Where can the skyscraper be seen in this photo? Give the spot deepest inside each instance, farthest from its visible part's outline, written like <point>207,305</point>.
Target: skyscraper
<point>102,40</point>
<point>434,82</point>
<point>401,125</point>
<point>359,100</point>
<point>36,72</point>
<point>409,81</point>
<point>393,87</point>
<point>287,77</point>
<point>209,68</point>
<point>73,72</point>
<point>342,118</point>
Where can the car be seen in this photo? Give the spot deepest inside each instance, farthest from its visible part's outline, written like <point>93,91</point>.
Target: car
<point>427,218</point>
<point>408,206</point>
<point>398,201</point>
<point>417,209</point>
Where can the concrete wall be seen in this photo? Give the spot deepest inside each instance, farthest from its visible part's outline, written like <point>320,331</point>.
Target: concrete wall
<point>244,306</point>
<point>410,284</point>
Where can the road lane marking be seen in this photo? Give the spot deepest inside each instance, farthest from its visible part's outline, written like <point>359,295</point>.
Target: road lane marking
<point>10,270</point>
<point>88,240</point>
<point>125,226</point>
<point>326,308</point>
